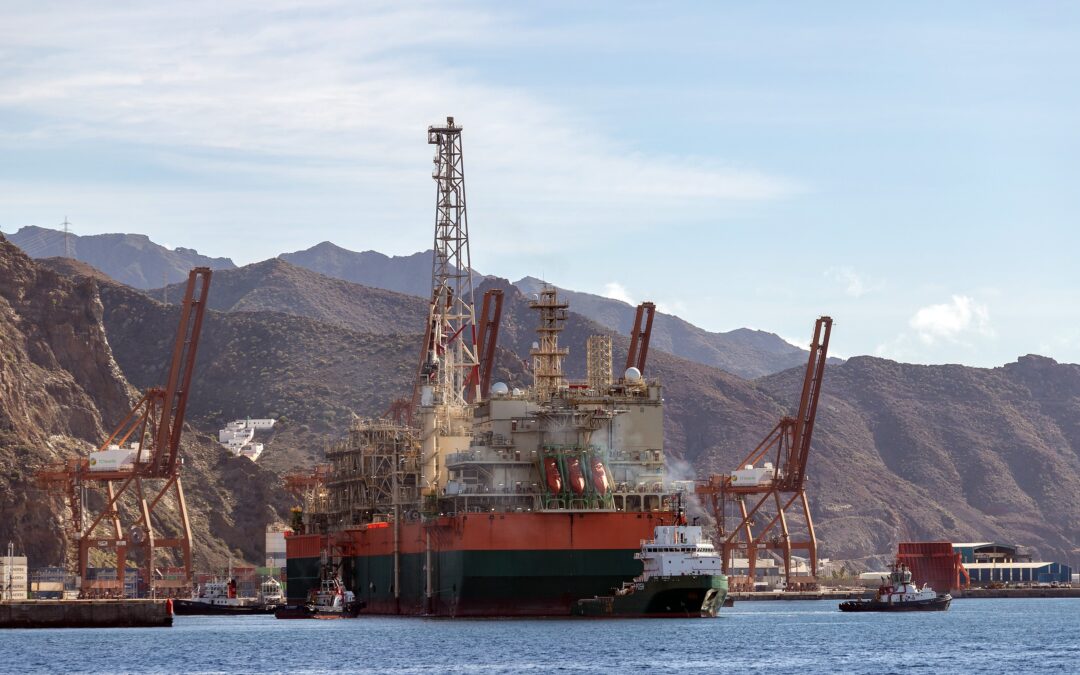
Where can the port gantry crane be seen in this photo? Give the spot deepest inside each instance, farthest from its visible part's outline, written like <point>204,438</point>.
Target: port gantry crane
<point>138,466</point>
<point>640,336</point>
<point>776,486</point>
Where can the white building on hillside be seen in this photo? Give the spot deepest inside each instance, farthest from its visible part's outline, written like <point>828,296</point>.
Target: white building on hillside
<point>237,436</point>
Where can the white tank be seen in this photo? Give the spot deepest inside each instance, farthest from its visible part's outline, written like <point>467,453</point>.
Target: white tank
<point>632,374</point>
<point>499,389</point>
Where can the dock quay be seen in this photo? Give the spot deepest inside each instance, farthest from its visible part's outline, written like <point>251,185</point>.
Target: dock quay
<point>802,595</point>
<point>1038,592</point>
<point>85,613</point>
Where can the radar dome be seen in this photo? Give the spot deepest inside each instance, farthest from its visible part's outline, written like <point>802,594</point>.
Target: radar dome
<point>499,389</point>
<point>632,375</point>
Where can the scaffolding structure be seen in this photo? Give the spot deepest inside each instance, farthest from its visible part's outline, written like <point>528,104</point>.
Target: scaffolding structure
<point>598,362</point>
<point>374,471</point>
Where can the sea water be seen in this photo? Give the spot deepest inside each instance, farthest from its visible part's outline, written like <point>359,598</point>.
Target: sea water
<point>974,636</point>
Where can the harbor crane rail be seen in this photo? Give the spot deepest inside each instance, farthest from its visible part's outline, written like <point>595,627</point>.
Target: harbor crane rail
<point>773,488</point>
<point>139,465</point>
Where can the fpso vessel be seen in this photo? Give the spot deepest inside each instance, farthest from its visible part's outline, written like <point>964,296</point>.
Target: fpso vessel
<point>518,505</point>
<point>487,500</point>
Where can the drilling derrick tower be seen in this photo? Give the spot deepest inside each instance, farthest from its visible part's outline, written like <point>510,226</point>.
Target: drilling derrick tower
<point>137,469</point>
<point>450,363</point>
<point>449,376</point>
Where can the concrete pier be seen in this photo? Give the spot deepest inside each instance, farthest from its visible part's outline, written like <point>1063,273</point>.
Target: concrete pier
<point>801,595</point>
<point>85,613</point>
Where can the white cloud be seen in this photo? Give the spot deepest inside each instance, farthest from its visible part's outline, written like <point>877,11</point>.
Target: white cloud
<point>617,291</point>
<point>951,321</point>
<point>854,284</point>
<point>336,95</point>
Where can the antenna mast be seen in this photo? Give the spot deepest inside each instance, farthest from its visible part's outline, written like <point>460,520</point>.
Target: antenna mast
<point>67,237</point>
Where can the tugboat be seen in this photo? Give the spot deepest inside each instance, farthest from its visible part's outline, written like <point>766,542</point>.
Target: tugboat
<point>220,597</point>
<point>682,577</point>
<point>329,601</point>
<point>898,594</point>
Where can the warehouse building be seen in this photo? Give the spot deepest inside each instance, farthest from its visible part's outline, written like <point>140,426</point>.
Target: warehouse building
<point>988,562</point>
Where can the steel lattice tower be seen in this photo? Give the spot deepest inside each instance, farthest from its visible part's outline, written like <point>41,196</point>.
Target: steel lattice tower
<point>451,363</point>
<point>547,354</point>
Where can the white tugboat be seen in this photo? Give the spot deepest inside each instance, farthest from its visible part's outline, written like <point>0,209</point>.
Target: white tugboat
<point>899,594</point>
<point>220,597</point>
<point>682,577</point>
<point>331,600</point>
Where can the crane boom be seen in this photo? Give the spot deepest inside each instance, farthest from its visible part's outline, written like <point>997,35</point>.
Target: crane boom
<point>167,438</point>
<point>640,336</point>
<point>488,337</point>
<point>808,402</point>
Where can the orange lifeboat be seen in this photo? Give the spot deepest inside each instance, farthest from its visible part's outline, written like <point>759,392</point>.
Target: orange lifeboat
<point>599,477</point>
<point>551,469</point>
<point>577,478</point>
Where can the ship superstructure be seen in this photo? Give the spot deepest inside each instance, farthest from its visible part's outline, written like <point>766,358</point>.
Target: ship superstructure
<point>505,501</point>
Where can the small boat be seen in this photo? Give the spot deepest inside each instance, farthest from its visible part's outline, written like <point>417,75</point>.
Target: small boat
<point>682,577</point>
<point>329,601</point>
<point>220,598</point>
<point>899,594</point>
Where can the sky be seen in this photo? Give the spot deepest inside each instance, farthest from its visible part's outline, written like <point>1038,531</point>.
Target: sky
<point>911,169</point>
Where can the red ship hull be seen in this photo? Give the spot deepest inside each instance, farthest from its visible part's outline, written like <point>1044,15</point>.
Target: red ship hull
<point>480,564</point>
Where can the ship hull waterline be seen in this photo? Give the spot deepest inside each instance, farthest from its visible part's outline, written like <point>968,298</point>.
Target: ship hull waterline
<point>480,565</point>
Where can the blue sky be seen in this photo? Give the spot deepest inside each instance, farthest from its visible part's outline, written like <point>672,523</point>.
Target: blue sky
<point>911,169</point>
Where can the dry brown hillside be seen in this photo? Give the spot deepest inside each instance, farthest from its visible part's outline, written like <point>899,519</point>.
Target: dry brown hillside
<point>277,286</point>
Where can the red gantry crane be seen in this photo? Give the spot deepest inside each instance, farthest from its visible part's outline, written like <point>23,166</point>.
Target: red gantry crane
<point>138,469</point>
<point>640,336</point>
<point>773,488</point>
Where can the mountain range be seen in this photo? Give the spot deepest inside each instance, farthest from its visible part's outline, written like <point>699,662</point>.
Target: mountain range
<point>136,261</point>
<point>900,451</point>
<point>131,259</point>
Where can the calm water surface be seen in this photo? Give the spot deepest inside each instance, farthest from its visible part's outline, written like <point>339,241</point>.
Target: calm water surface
<point>974,636</point>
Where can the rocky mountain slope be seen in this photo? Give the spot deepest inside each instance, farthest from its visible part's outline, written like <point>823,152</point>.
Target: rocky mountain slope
<point>410,274</point>
<point>278,286</point>
<point>129,258</point>
<point>924,452</point>
<point>744,352</point>
<point>61,391</point>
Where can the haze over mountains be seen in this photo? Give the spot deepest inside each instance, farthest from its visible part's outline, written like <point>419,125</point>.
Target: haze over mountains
<point>900,451</point>
<point>131,259</point>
